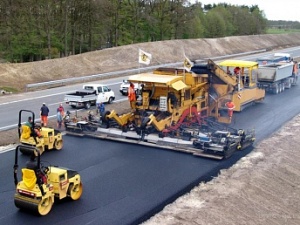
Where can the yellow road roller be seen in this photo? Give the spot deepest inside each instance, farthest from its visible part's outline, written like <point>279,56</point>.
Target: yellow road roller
<point>41,185</point>
<point>43,138</point>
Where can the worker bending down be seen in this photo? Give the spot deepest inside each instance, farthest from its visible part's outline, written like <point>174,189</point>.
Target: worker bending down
<point>230,105</point>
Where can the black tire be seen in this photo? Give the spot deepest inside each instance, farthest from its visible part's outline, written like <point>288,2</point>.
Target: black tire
<point>276,90</point>
<point>110,100</point>
<point>73,106</point>
<point>87,105</point>
<point>283,87</point>
<point>290,81</point>
<point>104,118</point>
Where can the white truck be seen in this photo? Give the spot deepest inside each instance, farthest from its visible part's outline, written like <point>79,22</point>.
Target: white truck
<point>275,76</point>
<point>90,95</point>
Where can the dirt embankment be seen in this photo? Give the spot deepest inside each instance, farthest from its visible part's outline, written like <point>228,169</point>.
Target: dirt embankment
<point>126,57</point>
<point>262,188</point>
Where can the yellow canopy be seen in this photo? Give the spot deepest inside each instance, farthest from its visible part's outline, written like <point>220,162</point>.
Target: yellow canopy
<point>155,78</point>
<point>178,85</point>
<point>240,63</point>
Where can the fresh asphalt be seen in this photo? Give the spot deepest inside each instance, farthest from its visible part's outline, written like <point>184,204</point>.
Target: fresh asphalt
<point>125,183</point>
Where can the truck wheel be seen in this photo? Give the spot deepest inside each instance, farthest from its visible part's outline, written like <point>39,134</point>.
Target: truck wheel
<point>73,106</point>
<point>280,88</point>
<point>75,191</point>
<point>283,87</point>
<point>110,100</point>
<point>276,90</point>
<point>87,105</point>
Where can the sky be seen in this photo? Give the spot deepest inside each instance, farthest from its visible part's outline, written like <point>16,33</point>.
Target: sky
<point>273,9</point>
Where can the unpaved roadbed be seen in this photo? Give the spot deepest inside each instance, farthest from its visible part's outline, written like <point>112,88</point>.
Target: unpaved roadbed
<point>262,188</point>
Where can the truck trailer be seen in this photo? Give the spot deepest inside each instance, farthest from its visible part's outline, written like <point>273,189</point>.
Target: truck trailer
<point>275,77</point>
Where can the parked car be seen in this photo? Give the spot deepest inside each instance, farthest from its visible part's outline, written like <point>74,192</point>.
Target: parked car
<point>125,85</point>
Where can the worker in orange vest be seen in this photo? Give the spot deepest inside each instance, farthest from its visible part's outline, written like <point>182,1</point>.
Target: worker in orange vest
<point>131,96</point>
<point>237,70</point>
<point>230,105</point>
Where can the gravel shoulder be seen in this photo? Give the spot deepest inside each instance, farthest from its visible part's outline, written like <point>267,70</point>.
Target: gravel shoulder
<point>262,188</point>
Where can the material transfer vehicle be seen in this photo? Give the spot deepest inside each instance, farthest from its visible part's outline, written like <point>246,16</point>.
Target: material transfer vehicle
<point>246,91</point>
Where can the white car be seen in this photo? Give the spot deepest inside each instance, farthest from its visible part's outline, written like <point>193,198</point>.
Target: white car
<point>125,85</point>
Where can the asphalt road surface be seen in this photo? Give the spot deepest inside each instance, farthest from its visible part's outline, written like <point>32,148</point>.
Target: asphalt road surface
<point>126,184</point>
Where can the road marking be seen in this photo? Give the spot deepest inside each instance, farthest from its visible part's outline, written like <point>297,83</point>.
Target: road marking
<point>38,120</point>
<point>28,99</point>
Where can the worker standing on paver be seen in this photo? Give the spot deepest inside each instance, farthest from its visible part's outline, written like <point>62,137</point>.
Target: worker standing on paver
<point>44,115</point>
<point>230,105</point>
<point>131,96</point>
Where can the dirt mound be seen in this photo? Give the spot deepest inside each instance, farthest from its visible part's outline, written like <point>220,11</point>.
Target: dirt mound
<point>126,57</point>
<point>262,188</point>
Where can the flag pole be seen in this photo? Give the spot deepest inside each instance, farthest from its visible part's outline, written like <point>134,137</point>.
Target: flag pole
<point>139,68</point>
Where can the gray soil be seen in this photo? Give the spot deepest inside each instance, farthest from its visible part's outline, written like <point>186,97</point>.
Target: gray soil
<point>262,188</point>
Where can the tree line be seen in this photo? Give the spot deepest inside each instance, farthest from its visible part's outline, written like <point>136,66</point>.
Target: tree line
<point>33,30</point>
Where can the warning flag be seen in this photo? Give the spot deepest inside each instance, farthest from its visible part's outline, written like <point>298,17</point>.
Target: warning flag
<point>187,64</point>
<point>144,57</point>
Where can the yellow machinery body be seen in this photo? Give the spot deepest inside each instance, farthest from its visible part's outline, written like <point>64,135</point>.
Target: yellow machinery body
<point>49,139</point>
<point>60,183</point>
<point>169,94</point>
<point>166,95</point>
<point>174,108</point>
<point>245,90</point>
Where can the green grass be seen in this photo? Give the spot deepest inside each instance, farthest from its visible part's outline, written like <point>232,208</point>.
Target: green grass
<point>281,31</point>
<point>9,89</point>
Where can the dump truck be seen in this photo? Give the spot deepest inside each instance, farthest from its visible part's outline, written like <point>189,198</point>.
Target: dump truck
<point>172,107</point>
<point>275,58</point>
<point>276,77</point>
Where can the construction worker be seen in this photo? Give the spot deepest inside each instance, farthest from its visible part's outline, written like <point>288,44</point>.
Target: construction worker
<point>131,95</point>
<point>230,105</point>
<point>44,114</point>
<point>29,124</point>
<point>237,70</point>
